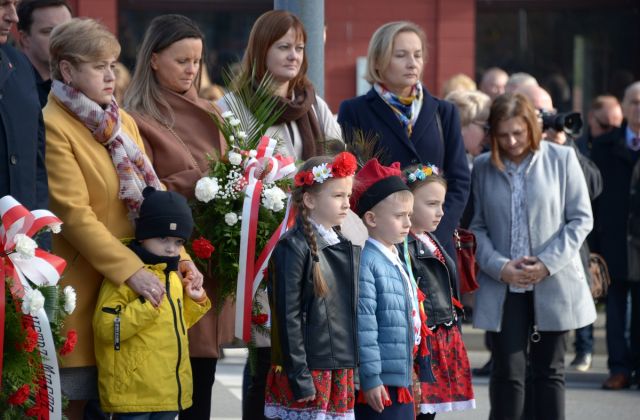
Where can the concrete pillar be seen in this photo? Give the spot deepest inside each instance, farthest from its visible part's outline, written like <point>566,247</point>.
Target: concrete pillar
<point>311,12</point>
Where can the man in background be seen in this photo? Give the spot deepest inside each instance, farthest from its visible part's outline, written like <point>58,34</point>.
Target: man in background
<point>22,144</point>
<point>493,82</point>
<point>605,114</point>
<point>37,18</point>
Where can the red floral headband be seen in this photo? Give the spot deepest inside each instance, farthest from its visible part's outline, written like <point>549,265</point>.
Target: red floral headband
<point>342,166</point>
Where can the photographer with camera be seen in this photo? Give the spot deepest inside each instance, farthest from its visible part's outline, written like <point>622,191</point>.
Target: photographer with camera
<point>563,129</point>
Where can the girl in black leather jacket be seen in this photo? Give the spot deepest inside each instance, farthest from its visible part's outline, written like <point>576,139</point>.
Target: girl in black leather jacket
<point>445,376</point>
<point>312,280</point>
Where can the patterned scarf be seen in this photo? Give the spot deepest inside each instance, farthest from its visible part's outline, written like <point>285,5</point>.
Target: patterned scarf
<point>406,108</point>
<point>132,165</point>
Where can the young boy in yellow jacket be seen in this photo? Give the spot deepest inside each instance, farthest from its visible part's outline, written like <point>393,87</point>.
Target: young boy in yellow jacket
<point>142,351</point>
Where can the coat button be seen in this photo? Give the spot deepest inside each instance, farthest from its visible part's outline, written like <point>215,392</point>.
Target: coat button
<point>414,161</point>
<point>13,159</point>
<point>421,251</point>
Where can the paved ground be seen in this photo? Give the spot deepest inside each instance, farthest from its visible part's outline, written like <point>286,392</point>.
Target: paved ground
<point>585,400</point>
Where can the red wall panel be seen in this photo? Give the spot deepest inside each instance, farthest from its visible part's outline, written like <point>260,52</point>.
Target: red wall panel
<point>448,24</point>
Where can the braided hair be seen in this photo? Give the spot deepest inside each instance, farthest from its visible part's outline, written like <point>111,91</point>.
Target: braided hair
<point>320,287</point>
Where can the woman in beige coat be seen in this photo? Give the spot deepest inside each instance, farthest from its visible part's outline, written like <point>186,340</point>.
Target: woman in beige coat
<point>179,133</point>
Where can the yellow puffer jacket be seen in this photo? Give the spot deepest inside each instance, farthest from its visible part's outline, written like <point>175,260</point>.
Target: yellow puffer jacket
<point>147,368</point>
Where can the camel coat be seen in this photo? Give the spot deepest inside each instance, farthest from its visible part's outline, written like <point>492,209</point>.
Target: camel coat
<point>179,156</point>
<point>83,193</point>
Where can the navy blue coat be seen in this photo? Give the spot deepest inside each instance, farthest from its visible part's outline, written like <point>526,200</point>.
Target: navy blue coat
<point>373,116</point>
<point>22,141</point>
<point>611,209</point>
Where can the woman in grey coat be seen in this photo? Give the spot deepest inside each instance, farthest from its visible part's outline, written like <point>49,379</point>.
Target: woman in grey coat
<point>532,213</point>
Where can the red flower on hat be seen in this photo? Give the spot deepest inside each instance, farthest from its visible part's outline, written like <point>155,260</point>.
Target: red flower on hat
<point>203,248</point>
<point>20,396</point>
<point>69,343</point>
<point>344,165</point>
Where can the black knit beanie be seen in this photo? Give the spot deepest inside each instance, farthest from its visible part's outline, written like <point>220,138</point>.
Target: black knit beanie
<point>162,214</point>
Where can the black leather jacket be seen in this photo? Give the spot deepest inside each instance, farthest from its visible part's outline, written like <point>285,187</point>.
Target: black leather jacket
<point>309,332</point>
<point>435,280</point>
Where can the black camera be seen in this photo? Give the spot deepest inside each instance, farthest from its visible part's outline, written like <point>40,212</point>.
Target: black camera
<point>569,122</point>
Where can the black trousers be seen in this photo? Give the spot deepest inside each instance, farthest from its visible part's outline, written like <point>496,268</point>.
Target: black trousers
<point>254,386</point>
<point>515,357</point>
<point>203,370</point>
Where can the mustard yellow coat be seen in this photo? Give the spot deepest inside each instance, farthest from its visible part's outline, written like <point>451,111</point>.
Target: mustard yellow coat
<point>83,192</point>
<point>150,369</point>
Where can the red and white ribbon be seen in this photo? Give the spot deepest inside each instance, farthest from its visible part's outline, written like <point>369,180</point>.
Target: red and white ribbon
<point>262,169</point>
<point>43,269</point>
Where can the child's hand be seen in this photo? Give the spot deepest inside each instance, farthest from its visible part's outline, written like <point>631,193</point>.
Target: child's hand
<point>190,272</point>
<point>376,397</point>
<point>307,399</point>
<point>195,292</point>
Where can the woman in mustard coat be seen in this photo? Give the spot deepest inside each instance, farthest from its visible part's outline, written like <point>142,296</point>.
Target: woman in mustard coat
<point>97,170</point>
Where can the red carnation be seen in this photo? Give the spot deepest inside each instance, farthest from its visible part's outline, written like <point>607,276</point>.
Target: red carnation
<point>31,341</point>
<point>20,396</point>
<point>259,319</point>
<point>202,248</point>
<point>344,165</point>
<point>69,343</point>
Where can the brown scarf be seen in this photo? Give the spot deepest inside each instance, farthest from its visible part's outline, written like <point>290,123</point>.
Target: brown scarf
<point>300,110</point>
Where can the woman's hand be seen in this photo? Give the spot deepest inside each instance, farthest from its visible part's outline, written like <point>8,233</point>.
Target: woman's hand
<point>376,397</point>
<point>147,285</point>
<point>191,273</point>
<point>534,269</point>
<point>512,273</point>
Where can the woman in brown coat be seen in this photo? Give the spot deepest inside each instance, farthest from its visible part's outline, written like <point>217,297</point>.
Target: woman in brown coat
<point>178,131</point>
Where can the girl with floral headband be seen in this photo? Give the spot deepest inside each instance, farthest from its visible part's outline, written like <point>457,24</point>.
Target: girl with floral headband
<point>443,376</point>
<point>311,281</point>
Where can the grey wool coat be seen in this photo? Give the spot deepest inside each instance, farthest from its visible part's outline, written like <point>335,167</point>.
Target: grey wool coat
<point>559,219</point>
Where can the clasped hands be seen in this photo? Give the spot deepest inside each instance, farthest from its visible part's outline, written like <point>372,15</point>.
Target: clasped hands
<point>147,285</point>
<point>524,271</point>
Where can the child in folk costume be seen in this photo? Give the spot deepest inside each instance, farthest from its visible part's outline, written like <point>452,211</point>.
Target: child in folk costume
<point>312,286</point>
<point>388,312</point>
<point>444,375</point>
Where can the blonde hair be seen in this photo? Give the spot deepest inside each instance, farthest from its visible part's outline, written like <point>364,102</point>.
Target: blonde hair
<point>457,82</point>
<point>402,197</point>
<point>123,79</point>
<point>472,105</point>
<point>80,40</point>
<point>381,47</point>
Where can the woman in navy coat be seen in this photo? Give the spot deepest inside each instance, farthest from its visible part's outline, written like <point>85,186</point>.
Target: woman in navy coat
<point>410,126</point>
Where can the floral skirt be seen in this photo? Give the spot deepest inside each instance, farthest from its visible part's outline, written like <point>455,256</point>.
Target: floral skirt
<point>335,396</point>
<point>452,389</point>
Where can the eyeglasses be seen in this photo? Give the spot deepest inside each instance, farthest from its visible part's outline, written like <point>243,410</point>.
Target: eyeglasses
<point>483,125</point>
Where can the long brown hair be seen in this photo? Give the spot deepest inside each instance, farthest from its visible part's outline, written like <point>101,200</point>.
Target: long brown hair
<point>144,94</point>
<point>319,284</point>
<point>269,28</point>
<point>510,105</point>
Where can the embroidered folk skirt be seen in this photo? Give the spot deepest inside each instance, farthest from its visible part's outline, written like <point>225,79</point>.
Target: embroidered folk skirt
<point>450,388</point>
<point>335,396</point>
